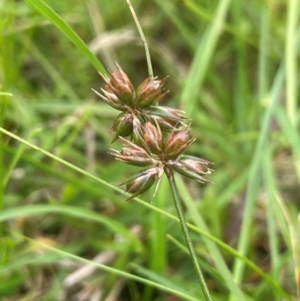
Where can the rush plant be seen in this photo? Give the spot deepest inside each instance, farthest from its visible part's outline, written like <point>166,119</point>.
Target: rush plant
<point>157,137</point>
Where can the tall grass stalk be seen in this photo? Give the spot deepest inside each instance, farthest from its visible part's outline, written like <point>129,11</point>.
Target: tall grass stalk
<point>139,27</point>
<point>185,231</point>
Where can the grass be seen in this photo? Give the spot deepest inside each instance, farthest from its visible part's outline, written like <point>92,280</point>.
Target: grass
<point>232,67</point>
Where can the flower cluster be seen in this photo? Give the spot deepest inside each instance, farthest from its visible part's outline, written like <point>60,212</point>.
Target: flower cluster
<point>137,106</point>
<point>157,138</point>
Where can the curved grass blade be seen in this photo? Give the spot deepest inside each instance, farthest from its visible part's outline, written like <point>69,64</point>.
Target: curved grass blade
<point>64,28</point>
<point>223,245</point>
<point>212,248</point>
<point>254,171</point>
<point>202,58</point>
<point>76,212</point>
<point>56,251</point>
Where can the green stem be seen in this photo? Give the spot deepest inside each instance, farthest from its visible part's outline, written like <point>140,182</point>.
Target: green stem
<point>138,25</point>
<point>3,107</point>
<point>185,230</point>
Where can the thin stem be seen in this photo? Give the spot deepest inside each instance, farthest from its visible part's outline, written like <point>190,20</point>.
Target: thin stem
<point>3,107</point>
<point>185,230</point>
<point>148,58</point>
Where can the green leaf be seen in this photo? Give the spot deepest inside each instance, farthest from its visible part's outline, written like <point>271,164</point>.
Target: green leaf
<point>81,213</point>
<point>202,58</point>
<point>64,28</point>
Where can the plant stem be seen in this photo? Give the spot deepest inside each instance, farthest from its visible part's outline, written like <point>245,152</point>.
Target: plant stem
<point>138,25</point>
<point>185,230</point>
<point>3,107</point>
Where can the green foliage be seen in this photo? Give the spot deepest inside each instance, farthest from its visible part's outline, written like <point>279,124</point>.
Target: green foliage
<point>232,67</point>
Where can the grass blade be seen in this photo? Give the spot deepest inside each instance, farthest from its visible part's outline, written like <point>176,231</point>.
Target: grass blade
<point>81,213</point>
<point>291,60</point>
<point>237,255</point>
<point>64,28</point>
<point>202,59</point>
<point>253,181</point>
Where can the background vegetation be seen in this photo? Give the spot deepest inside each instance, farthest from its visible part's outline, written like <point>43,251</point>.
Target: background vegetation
<point>67,232</point>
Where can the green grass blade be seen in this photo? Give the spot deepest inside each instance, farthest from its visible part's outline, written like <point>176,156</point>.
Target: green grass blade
<point>111,270</point>
<point>291,134</point>
<point>213,250</point>
<point>254,173</point>
<point>75,212</point>
<point>3,107</point>
<point>291,60</point>
<point>57,78</point>
<point>292,220</point>
<point>271,221</point>
<point>157,241</point>
<point>64,28</point>
<point>17,157</point>
<point>263,63</point>
<point>72,166</point>
<point>168,7</point>
<point>202,59</point>
<point>167,281</point>
<point>241,81</point>
<point>232,251</point>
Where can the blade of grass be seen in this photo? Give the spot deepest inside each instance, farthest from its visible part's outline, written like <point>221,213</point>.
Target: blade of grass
<point>271,225</point>
<point>213,250</point>
<point>263,84</point>
<point>233,188</point>
<point>263,63</point>
<point>60,160</point>
<point>140,30</point>
<point>291,60</point>
<point>226,247</point>
<point>212,270</point>
<point>81,213</point>
<point>47,12</point>
<point>295,241</point>
<point>177,202</point>
<point>254,175</point>
<point>73,133</point>
<point>291,134</point>
<point>57,78</point>
<point>202,58</point>
<point>168,7</point>
<point>196,8</point>
<point>157,248</point>
<point>3,107</point>
<point>17,157</point>
<point>111,270</point>
<point>167,281</point>
<point>65,176</point>
<point>241,82</point>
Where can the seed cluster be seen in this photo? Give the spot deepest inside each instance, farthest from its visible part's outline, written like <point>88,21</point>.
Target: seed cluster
<point>157,135</point>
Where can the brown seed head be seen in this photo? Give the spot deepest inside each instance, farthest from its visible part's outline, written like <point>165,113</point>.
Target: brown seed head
<point>133,159</point>
<point>122,125</point>
<point>167,118</point>
<point>137,133</point>
<point>152,138</point>
<point>194,164</point>
<point>121,86</point>
<point>141,182</point>
<point>177,143</point>
<point>191,168</point>
<point>149,92</point>
<point>133,154</point>
<point>112,100</point>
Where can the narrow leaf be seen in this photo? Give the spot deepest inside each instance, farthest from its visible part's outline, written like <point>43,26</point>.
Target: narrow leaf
<point>64,28</point>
